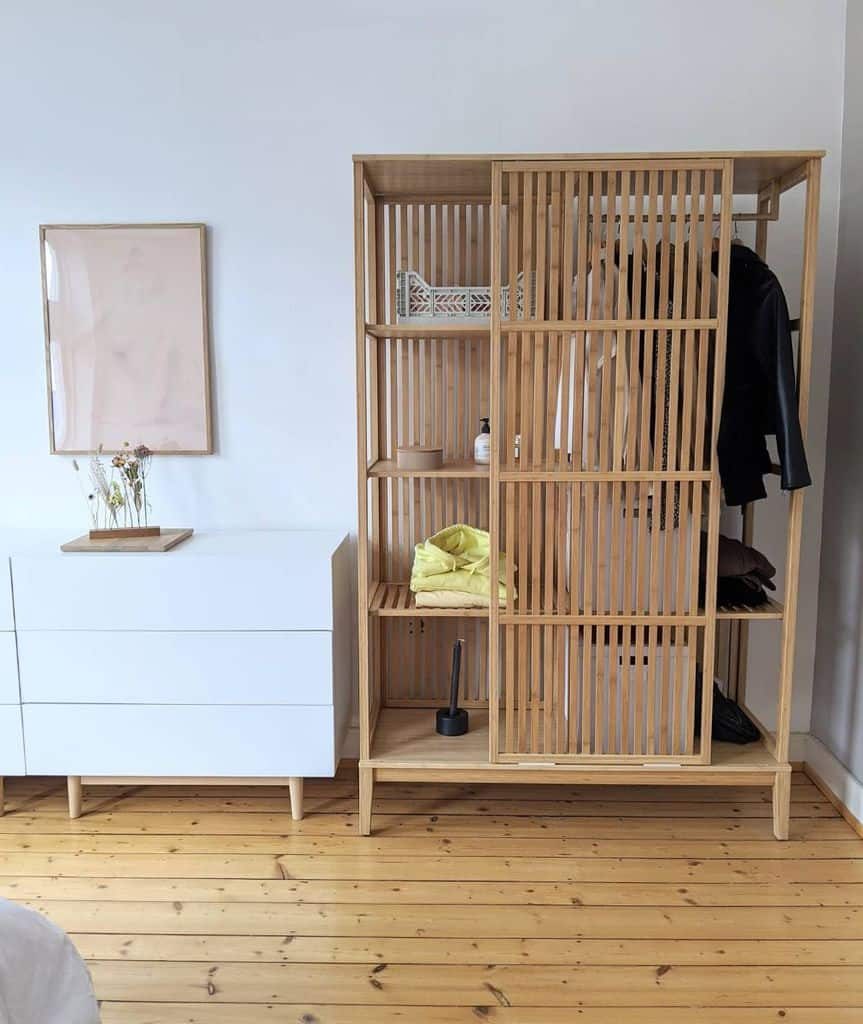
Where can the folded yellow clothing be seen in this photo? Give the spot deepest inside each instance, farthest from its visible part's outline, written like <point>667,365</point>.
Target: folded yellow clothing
<point>457,558</point>
<point>452,599</point>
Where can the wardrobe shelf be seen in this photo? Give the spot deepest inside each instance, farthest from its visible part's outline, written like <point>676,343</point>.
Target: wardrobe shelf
<point>405,740</point>
<point>453,470</point>
<point>771,610</point>
<point>407,737</point>
<point>442,330</point>
<point>396,599</point>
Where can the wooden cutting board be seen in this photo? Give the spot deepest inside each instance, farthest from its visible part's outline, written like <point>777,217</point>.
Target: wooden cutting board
<point>166,540</point>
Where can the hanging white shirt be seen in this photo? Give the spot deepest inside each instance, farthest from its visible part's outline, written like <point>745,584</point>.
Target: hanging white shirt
<point>601,356</point>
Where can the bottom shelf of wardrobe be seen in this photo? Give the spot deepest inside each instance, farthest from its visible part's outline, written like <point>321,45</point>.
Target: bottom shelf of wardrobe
<point>405,747</point>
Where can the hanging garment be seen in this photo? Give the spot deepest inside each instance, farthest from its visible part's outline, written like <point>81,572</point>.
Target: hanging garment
<point>457,560</point>
<point>602,362</point>
<point>665,393</point>
<point>655,349</point>
<point>760,388</point>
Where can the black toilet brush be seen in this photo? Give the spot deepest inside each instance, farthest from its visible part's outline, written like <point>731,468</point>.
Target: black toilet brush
<point>452,721</point>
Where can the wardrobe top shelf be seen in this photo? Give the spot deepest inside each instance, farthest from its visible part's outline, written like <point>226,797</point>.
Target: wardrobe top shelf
<point>468,176</point>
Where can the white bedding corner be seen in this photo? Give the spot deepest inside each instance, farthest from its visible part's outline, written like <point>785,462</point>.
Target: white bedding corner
<point>43,979</point>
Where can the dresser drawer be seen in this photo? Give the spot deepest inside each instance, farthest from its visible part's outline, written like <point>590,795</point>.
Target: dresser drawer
<point>8,669</point>
<point>11,742</point>
<point>100,739</point>
<point>176,667</point>
<point>7,620</point>
<point>171,592</point>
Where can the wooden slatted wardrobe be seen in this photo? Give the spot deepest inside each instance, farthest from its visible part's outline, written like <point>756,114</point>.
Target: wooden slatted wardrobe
<point>600,363</point>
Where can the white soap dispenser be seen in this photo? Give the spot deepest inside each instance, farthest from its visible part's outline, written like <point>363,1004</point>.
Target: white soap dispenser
<point>482,443</point>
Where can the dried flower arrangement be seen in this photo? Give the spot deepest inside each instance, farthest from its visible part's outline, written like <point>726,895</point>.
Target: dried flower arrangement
<point>116,495</point>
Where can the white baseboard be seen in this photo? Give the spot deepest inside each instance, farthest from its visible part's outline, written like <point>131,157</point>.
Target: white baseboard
<point>832,774</point>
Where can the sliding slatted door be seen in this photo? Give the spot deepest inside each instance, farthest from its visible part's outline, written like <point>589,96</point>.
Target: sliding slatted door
<point>607,362</point>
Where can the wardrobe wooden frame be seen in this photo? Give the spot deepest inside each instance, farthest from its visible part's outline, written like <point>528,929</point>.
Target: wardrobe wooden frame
<point>415,381</point>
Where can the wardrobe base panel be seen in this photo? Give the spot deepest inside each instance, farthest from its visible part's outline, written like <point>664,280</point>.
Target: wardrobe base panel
<point>706,775</point>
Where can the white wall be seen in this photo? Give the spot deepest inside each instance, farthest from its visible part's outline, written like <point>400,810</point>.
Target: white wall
<point>244,115</point>
<point>837,711</point>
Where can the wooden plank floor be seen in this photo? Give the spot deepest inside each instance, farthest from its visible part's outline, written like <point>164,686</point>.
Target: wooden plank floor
<point>529,904</point>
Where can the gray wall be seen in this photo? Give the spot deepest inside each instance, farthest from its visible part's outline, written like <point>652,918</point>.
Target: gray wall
<point>837,705</point>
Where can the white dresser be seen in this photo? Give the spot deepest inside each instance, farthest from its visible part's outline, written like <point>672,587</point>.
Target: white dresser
<point>11,739</point>
<point>228,657</point>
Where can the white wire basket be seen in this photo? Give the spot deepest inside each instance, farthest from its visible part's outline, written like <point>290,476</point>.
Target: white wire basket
<point>418,302</point>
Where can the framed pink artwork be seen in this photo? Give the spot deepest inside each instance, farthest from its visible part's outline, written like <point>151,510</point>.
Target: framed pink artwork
<point>126,337</point>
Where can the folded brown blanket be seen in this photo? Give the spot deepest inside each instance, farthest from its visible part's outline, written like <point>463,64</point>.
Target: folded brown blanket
<point>740,560</point>
<point>743,573</point>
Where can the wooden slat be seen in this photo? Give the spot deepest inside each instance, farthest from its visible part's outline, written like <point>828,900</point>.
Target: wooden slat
<point>241,853</point>
<point>366,685</point>
<point>612,806</point>
<point>565,952</point>
<point>451,825</point>
<point>197,1013</point>
<point>452,920</point>
<point>746,872</point>
<point>493,690</point>
<point>537,847</point>
<point>506,985</point>
<point>713,504</point>
<point>337,892</point>
<point>795,524</point>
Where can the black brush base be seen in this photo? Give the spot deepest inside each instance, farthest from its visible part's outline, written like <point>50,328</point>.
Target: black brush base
<point>450,723</point>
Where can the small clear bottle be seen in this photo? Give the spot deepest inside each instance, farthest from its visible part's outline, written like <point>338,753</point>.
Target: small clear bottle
<point>482,443</point>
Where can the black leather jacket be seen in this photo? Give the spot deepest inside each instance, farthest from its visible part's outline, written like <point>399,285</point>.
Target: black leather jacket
<point>760,387</point>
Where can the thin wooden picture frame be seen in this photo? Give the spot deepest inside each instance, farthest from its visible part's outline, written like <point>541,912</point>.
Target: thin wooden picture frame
<point>207,447</point>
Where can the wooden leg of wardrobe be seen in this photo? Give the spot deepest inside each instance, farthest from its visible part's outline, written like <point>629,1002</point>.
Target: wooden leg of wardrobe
<point>73,785</point>
<point>781,804</point>
<point>367,790</point>
<point>295,782</point>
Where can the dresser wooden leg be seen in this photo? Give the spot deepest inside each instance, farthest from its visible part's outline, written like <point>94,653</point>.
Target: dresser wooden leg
<point>2,796</point>
<point>781,804</point>
<point>73,784</point>
<point>367,790</point>
<point>296,784</point>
